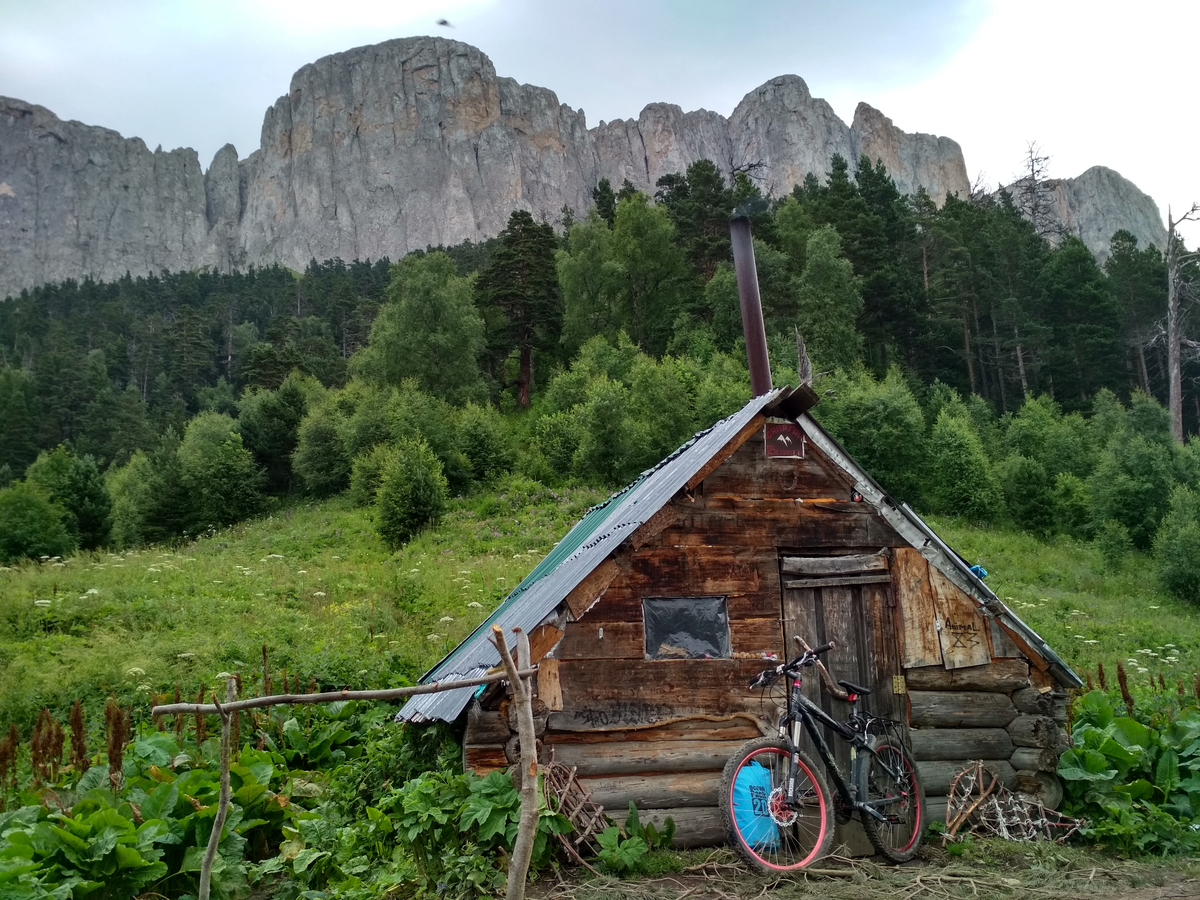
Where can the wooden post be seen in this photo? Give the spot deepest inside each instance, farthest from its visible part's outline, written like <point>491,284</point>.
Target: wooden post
<point>214,839</point>
<point>518,865</point>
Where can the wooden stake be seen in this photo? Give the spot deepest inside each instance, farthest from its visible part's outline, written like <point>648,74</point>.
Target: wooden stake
<point>518,865</point>
<point>214,839</point>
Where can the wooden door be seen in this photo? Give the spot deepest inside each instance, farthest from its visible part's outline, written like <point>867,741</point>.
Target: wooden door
<point>856,610</point>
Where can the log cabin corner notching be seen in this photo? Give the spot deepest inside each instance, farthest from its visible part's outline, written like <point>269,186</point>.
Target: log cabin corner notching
<point>651,616</point>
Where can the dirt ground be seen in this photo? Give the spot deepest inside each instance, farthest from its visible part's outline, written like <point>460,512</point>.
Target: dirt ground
<point>984,869</point>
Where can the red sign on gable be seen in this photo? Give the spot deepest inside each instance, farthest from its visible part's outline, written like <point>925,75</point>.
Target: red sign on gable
<point>784,440</point>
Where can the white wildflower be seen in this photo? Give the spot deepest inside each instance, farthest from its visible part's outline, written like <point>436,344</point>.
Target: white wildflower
<point>91,591</point>
<point>274,556</point>
<point>433,637</point>
<point>41,602</point>
<point>318,593</point>
<point>187,654</point>
<point>134,671</point>
<point>475,605</point>
<point>446,619</point>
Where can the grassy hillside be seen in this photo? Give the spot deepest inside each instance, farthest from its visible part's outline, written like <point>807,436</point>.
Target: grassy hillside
<point>313,583</point>
<point>1088,610</point>
<point>316,585</point>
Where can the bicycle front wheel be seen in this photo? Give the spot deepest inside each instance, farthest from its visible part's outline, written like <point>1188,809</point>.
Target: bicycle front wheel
<point>894,790</point>
<point>770,831</point>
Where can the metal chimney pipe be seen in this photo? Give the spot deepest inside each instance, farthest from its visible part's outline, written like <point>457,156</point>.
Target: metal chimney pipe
<point>752,318</point>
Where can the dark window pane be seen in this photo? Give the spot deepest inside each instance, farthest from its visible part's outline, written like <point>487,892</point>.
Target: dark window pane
<point>686,627</point>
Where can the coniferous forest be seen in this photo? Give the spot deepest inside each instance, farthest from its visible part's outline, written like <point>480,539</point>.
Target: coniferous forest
<point>974,366</point>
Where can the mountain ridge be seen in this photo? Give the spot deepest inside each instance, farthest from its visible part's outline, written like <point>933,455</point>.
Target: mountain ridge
<point>390,147</point>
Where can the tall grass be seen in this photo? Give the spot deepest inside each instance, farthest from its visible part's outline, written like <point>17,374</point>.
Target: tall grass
<point>313,582</point>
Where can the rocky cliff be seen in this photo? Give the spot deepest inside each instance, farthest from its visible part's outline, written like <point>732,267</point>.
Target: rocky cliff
<point>391,147</point>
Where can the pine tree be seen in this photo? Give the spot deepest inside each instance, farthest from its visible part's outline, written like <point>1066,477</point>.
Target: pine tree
<point>522,285</point>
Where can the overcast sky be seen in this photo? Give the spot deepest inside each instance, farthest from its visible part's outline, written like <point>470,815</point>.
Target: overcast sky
<point>1093,82</point>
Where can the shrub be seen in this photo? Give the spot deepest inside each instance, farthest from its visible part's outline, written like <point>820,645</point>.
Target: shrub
<point>321,460</point>
<point>412,493</point>
<point>1113,541</point>
<point>1132,485</point>
<point>1072,505</point>
<point>1177,545</point>
<point>366,472</point>
<point>1028,494</point>
<point>219,472</point>
<point>75,484</point>
<point>482,439</point>
<point>557,437</point>
<point>961,482</point>
<point>30,524</point>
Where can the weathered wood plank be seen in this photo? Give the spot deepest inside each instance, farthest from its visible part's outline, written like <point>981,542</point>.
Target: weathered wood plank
<point>731,522</point>
<point>644,692</point>
<point>1038,759</point>
<point>1003,676</point>
<point>644,757</point>
<point>961,743</point>
<point>964,633</point>
<point>542,641</point>
<point>838,581</point>
<point>652,527</point>
<point>748,473</point>
<point>733,727</point>
<point>883,646</point>
<point>485,726</point>
<point>730,449</point>
<point>593,585</point>
<point>961,709</point>
<point>841,610</point>
<point>1002,645</point>
<point>854,564</point>
<point>699,827</point>
<point>614,792</point>
<point>935,809</point>
<point>935,774</point>
<point>593,639</point>
<point>482,760</point>
<point>549,686</point>
<point>588,639</point>
<point>919,645</point>
<point>1037,731</point>
<point>684,571</point>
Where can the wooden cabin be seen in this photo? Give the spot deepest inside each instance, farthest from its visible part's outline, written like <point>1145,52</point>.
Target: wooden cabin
<point>651,617</point>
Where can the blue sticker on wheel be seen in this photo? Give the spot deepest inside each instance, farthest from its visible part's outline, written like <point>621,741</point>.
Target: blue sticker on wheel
<point>751,807</point>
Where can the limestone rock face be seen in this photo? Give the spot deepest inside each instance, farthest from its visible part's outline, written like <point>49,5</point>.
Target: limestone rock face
<point>1100,202</point>
<point>389,148</point>
<point>76,200</point>
<point>782,127</point>
<point>913,160</point>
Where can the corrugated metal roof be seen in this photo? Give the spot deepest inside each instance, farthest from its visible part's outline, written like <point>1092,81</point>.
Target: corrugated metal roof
<point>585,546</point>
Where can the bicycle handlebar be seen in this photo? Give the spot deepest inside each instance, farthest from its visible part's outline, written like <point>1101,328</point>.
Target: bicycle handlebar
<point>805,659</point>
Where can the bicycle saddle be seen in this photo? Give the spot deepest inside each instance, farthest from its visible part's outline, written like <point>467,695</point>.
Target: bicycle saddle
<point>854,688</point>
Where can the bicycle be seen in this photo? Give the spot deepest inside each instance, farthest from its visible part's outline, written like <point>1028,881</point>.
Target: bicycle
<point>775,804</point>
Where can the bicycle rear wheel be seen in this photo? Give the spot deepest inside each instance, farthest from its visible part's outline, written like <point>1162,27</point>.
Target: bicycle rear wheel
<point>770,833</point>
<point>895,791</point>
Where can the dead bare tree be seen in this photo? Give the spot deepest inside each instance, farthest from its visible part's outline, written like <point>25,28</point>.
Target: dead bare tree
<point>1033,194</point>
<point>1181,286</point>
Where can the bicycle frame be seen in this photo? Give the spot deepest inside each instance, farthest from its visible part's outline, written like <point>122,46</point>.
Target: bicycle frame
<point>802,711</point>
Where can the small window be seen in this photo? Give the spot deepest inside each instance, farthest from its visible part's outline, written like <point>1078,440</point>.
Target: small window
<point>686,627</point>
